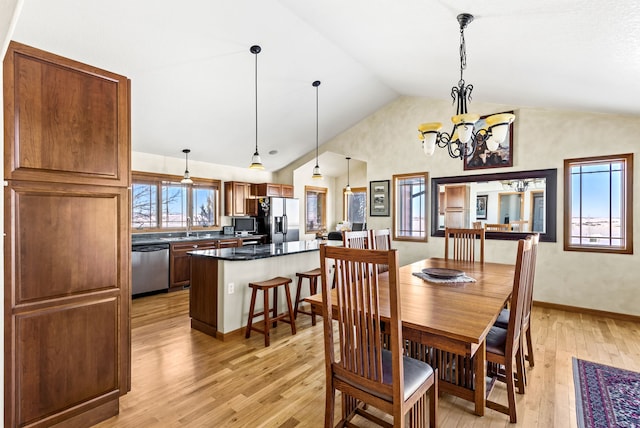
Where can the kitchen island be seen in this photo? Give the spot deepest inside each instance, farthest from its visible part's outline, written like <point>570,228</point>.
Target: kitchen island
<point>220,296</point>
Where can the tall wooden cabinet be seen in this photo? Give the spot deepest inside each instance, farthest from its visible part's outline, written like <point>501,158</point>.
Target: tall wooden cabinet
<point>456,206</point>
<point>67,245</point>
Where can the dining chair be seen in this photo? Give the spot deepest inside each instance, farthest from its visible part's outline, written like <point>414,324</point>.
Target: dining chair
<point>477,225</point>
<point>360,363</point>
<point>496,227</point>
<point>462,244</point>
<point>356,239</point>
<point>503,318</point>
<point>380,239</point>
<point>504,346</point>
<point>519,225</point>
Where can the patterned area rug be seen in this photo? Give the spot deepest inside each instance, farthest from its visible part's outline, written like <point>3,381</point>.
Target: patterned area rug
<point>606,396</point>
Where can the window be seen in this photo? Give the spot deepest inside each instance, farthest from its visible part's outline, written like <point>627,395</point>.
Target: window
<point>598,203</point>
<point>410,207</point>
<point>162,202</point>
<point>316,209</point>
<point>355,206</point>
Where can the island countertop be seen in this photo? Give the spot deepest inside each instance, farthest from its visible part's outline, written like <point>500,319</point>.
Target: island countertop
<point>254,252</point>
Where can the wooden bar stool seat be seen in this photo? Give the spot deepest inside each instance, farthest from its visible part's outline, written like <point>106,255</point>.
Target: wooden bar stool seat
<point>272,320</point>
<point>312,276</point>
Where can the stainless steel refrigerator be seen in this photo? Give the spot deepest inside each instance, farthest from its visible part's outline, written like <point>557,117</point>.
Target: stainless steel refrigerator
<point>279,219</point>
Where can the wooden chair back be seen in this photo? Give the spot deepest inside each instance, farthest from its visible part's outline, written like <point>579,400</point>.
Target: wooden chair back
<point>355,365</point>
<point>461,243</point>
<point>496,227</point>
<point>380,239</point>
<point>519,225</point>
<point>526,311</point>
<point>521,286</point>
<point>477,225</point>
<point>356,239</point>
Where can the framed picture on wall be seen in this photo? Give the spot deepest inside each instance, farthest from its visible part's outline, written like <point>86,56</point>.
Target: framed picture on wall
<point>482,158</point>
<point>379,198</point>
<point>481,207</point>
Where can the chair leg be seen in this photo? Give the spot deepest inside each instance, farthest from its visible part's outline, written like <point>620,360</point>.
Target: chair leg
<point>433,401</point>
<point>529,347</point>
<point>313,285</point>
<point>295,313</point>
<point>330,406</point>
<point>251,308</point>
<point>267,326</point>
<point>275,307</point>
<point>292,318</point>
<point>511,392</point>
<point>521,376</point>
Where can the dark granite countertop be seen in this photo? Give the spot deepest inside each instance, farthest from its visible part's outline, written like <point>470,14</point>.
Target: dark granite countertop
<point>169,238</point>
<point>254,252</point>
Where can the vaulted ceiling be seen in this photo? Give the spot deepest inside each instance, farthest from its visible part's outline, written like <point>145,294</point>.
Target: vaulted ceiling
<point>193,75</point>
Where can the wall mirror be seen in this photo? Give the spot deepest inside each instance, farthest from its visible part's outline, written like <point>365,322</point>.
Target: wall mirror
<point>508,205</point>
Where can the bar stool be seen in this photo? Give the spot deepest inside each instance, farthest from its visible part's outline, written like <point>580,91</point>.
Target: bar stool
<point>312,276</point>
<point>265,286</point>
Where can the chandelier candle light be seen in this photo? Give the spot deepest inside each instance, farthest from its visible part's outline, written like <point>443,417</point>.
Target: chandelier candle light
<point>316,169</point>
<point>187,176</point>
<point>463,140</point>
<point>256,162</point>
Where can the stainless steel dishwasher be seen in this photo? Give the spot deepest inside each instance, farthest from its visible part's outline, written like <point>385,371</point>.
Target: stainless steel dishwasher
<point>149,268</point>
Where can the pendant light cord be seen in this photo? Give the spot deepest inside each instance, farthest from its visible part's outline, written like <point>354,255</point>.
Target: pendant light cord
<point>317,123</point>
<point>256,87</point>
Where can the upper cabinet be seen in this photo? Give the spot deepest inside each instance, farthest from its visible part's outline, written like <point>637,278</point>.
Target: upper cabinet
<point>265,190</point>
<point>235,194</point>
<point>80,130</point>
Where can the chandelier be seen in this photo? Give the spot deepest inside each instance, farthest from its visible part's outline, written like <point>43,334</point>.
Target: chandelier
<point>520,186</point>
<point>463,139</point>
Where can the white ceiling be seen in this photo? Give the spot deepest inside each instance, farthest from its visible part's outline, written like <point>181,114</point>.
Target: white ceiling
<point>193,75</point>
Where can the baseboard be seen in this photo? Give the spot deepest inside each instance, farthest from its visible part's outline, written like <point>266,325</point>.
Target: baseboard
<point>226,336</point>
<point>594,312</point>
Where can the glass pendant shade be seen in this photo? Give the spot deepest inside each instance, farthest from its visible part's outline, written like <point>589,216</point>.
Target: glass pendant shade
<point>428,135</point>
<point>464,125</point>
<point>493,144</point>
<point>498,124</point>
<point>256,162</point>
<point>316,173</point>
<point>187,177</point>
<point>347,190</point>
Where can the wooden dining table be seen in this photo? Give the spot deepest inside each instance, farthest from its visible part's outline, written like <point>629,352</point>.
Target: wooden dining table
<point>446,324</point>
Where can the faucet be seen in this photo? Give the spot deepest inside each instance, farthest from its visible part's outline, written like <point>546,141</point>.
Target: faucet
<point>188,226</point>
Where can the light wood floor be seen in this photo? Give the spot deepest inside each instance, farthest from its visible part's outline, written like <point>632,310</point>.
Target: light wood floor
<point>183,378</point>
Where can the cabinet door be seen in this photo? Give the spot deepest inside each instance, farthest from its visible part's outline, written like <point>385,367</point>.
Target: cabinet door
<point>71,120</point>
<point>456,202</point>
<point>240,193</point>
<point>229,243</point>
<point>180,262</point>
<point>67,294</point>
<point>286,191</point>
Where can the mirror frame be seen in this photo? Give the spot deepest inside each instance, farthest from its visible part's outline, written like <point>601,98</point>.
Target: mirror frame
<point>550,211</point>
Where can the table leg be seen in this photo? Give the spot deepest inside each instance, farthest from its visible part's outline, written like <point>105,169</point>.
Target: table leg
<point>480,371</point>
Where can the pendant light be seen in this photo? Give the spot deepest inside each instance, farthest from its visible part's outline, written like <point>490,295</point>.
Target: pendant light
<point>347,190</point>
<point>256,162</point>
<point>316,169</point>
<point>187,177</point>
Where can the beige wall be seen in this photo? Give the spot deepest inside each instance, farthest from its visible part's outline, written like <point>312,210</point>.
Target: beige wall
<point>387,140</point>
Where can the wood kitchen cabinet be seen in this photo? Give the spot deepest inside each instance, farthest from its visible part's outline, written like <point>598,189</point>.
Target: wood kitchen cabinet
<point>235,194</point>
<point>265,190</point>
<point>67,251</point>
<point>456,206</point>
<point>180,261</point>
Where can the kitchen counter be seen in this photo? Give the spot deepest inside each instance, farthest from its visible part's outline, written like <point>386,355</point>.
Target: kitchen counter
<point>255,252</point>
<point>164,238</point>
<point>220,297</point>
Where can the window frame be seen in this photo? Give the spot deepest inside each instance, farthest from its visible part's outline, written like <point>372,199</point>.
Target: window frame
<point>320,191</point>
<point>626,197</point>
<point>158,180</point>
<point>395,179</point>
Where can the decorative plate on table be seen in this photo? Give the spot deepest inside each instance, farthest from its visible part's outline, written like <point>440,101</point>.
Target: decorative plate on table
<point>443,273</point>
